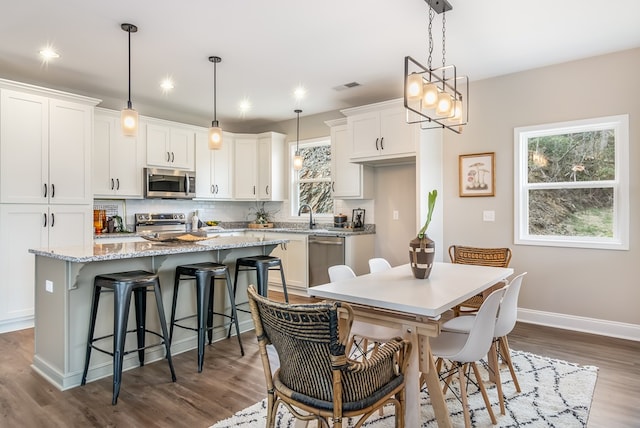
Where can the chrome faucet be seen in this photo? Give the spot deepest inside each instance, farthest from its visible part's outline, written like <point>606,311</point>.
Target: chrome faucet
<point>311,223</point>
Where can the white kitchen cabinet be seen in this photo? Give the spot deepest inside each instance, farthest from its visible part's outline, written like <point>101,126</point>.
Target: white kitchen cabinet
<point>379,133</point>
<point>214,168</point>
<point>259,167</point>
<point>45,148</point>
<point>350,180</point>
<point>118,160</point>
<point>170,145</point>
<point>26,226</point>
<point>293,256</point>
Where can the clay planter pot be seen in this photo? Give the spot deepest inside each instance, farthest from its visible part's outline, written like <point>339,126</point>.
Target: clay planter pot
<point>421,255</point>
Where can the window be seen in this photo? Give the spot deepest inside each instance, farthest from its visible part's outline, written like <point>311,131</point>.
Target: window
<point>572,184</point>
<point>312,184</point>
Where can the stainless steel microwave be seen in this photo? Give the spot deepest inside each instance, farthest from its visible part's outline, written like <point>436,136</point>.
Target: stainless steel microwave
<point>169,184</point>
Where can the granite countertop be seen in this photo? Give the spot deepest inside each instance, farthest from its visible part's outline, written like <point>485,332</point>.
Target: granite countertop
<point>129,250</point>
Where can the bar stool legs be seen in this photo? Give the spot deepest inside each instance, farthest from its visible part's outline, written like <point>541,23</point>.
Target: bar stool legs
<point>205,275</point>
<point>123,285</point>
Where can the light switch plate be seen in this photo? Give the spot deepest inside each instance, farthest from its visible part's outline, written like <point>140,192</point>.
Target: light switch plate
<point>488,216</point>
<point>48,286</point>
<point>396,215</point>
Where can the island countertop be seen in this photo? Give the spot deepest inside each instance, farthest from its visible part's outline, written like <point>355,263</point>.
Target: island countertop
<point>129,250</point>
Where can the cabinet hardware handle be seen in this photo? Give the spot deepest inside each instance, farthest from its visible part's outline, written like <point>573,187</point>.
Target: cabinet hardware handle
<point>216,189</point>
<point>168,157</point>
<point>45,220</point>
<point>117,184</point>
<point>333,186</point>
<point>53,192</point>
<point>213,189</point>
<point>53,219</point>
<point>112,183</point>
<point>377,143</point>
<point>381,145</point>
<point>254,190</point>
<point>172,157</point>
<point>266,189</point>
<point>45,190</point>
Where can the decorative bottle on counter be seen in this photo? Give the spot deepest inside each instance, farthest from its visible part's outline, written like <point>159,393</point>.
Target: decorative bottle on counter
<point>194,221</point>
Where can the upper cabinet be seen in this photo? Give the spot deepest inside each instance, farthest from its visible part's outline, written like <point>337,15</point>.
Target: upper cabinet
<point>214,168</point>
<point>117,160</point>
<point>45,148</point>
<point>169,145</point>
<point>350,180</point>
<point>259,167</point>
<point>379,133</point>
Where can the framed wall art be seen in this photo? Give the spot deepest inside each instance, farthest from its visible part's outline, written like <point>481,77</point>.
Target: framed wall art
<point>477,174</point>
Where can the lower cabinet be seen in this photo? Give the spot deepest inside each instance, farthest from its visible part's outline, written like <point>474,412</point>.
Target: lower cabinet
<point>293,255</point>
<point>25,226</point>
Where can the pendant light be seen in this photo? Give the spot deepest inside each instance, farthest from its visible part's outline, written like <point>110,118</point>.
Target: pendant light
<point>215,132</point>
<point>129,117</point>
<point>297,159</point>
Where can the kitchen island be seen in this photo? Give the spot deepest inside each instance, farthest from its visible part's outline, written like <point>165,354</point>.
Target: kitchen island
<point>64,286</point>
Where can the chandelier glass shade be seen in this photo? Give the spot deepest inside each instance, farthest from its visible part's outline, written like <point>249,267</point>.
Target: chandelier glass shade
<point>215,131</point>
<point>435,97</point>
<point>128,116</point>
<point>298,160</point>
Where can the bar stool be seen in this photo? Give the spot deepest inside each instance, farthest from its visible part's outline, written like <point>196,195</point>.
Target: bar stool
<point>262,265</point>
<point>122,285</point>
<point>205,275</point>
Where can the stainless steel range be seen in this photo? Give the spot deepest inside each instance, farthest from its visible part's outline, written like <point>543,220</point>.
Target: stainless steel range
<point>159,223</point>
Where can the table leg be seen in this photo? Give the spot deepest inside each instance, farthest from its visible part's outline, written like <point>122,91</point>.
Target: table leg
<point>438,403</point>
<point>412,380</point>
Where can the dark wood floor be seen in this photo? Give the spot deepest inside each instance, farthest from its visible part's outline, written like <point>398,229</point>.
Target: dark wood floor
<point>230,383</point>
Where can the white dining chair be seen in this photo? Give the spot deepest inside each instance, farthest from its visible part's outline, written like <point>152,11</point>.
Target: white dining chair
<point>505,322</point>
<point>464,349</point>
<point>340,272</point>
<point>378,264</point>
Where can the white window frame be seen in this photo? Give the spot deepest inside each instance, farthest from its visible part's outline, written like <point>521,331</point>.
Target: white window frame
<point>620,184</point>
<point>294,197</point>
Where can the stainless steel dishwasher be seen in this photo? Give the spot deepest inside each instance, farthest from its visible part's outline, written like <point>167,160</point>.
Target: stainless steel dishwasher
<point>324,251</point>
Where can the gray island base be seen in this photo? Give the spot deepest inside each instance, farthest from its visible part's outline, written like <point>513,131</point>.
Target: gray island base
<point>64,286</point>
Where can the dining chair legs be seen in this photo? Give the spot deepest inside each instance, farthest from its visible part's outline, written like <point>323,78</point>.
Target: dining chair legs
<point>506,357</point>
<point>493,362</point>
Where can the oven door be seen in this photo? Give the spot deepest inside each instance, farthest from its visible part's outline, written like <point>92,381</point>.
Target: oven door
<point>169,183</point>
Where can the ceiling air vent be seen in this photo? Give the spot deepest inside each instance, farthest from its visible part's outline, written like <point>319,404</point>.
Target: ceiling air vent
<point>346,86</point>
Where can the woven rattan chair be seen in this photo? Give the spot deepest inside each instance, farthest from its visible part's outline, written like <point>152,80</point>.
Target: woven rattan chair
<point>496,257</point>
<point>315,378</point>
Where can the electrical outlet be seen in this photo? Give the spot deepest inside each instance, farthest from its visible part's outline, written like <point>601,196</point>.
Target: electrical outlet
<point>48,286</point>
<point>395,215</point>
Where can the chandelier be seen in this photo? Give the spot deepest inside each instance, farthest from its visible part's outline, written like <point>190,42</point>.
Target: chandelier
<point>436,97</point>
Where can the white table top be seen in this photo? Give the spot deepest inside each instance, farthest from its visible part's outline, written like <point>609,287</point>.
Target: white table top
<point>398,290</point>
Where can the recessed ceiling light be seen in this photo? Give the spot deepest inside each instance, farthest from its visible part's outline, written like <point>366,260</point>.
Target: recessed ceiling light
<point>167,84</point>
<point>48,54</point>
<point>299,92</point>
<point>244,106</point>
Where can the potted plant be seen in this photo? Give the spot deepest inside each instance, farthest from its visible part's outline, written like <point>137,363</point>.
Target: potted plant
<point>422,248</point>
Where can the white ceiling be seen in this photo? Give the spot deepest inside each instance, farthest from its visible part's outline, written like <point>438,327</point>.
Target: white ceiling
<point>270,47</point>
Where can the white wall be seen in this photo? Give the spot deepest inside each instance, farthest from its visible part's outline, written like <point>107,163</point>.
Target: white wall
<point>594,288</point>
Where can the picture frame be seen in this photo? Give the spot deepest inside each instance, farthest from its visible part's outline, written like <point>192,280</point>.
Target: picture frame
<point>477,174</point>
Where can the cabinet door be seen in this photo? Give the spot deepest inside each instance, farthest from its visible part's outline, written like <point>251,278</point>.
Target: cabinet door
<point>182,148</point>
<point>265,185</point>
<point>204,167</point>
<point>364,134</point>
<point>397,137</point>
<point>245,168</point>
<point>222,162</point>
<point>21,227</point>
<point>293,255</point>
<point>158,145</point>
<point>103,133</point>
<point>24,147</point>
<point>70,140</point>
<point>70,226</point>
<point>347,176</point>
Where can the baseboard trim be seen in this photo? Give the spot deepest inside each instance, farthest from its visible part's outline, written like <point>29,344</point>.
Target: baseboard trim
<point>582,324</point>
<point>15,324</point>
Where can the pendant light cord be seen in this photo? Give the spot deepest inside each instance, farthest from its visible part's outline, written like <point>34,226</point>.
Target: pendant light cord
<point>129,100</point>
<point>214,92</point>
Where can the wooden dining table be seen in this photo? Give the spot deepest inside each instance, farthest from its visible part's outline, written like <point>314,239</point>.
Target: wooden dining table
<point>413,307</point>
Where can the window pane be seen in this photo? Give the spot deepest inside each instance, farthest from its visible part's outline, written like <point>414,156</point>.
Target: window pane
<point>571,212</point>
<point>580,156</point>
<point>318,195</point>
<point>317,162</point>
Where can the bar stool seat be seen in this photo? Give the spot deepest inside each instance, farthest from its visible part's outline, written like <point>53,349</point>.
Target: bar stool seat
<point>205,275</point>
<point>122,285</point>
<point>262,265</point>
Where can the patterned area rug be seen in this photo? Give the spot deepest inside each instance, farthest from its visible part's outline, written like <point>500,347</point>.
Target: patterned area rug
<point>555,393</point>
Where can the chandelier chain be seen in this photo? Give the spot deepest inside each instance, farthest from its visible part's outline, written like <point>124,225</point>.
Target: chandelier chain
<point>431,14</point>
<point>444,24</point>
